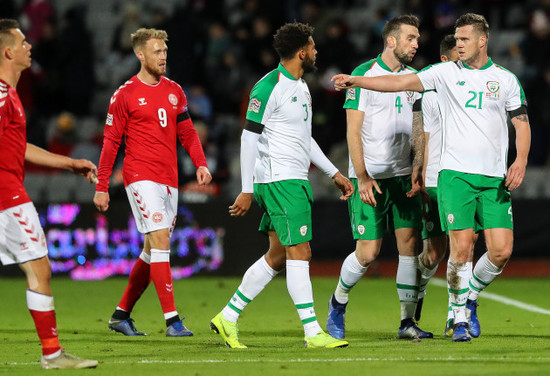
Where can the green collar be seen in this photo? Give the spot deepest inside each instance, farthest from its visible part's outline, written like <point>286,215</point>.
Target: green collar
<point>384,66</point>
<point>283,70</point>
<point>489,63</point>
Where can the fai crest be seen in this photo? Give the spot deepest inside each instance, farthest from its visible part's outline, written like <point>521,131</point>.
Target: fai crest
<point>493,86</point>
<point>429,226</point>
<point>303,230</point>
<point>451,218</point>
<point>361,229</point>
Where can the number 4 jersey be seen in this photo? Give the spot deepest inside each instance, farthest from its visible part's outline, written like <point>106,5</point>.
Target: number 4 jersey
<point>151,117</point>
<point>387,125</point>
<point>474,105</point>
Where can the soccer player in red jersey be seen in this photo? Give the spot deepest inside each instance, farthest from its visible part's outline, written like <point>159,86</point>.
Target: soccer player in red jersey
<point>22,240</point>
<point>150,110</point>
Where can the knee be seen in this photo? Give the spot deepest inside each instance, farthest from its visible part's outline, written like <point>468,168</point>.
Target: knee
<point>159,239</point>
<point>366,255</point>
<point>501,256</point>
<point>275,261</point>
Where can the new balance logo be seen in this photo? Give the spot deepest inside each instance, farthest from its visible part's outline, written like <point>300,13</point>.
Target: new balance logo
<point>460,83</point>
<point>142,101</point>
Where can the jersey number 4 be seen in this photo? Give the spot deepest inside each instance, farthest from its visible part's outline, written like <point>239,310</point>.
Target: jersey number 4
<point>163,119</point>
<point>398,104</point>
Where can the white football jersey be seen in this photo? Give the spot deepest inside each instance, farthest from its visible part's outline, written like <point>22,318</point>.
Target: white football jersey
<point>432,125</point>
<point>282,104</point>
<point>474,105</point>
<point>387,126</point>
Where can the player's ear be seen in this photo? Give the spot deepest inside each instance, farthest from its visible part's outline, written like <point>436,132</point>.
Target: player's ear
<point>392,41</point>
<point>302,54</point>
<point>139,55</point>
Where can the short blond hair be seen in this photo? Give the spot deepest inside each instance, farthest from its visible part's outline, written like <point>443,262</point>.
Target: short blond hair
<point>141,36</point>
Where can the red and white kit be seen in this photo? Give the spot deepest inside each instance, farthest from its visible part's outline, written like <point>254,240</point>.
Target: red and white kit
<point>21,236</point>
<point>151,117</point>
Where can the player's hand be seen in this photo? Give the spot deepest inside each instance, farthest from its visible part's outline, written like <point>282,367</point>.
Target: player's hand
<point>241,205</point>
<point>366,185</point>
<point>417,182</point>
<point>101,201</point>
<point>203,176</point>
<point>344,185</point>
<point>342,81</point>
<point>85,168</point>
<point>515,174</point>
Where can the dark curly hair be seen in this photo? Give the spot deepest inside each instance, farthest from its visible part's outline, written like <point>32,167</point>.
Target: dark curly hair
<point>290,38</point>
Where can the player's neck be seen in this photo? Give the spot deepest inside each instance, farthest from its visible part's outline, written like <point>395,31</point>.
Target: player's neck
<point>294,67</point>
<point>479,62</point>
<point>388,57</point>
<point>148,78</point>
<point>9,76</point>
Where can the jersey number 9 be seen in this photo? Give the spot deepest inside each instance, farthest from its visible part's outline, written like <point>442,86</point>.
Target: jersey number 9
<point>162,117</point>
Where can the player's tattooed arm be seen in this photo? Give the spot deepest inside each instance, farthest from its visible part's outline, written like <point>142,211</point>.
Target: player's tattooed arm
<point>418,140</point>
<point>522,117</point>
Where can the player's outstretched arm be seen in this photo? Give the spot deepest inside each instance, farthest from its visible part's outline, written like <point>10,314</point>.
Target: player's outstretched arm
<point>516,172</point>
<point>41,157</point>
<point>409,82</point>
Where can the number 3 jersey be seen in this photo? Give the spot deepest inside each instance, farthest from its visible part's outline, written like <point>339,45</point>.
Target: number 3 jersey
<point>281,105</point>
<point>151,117</point>
<point>473,104</point>
<point>387,125</point>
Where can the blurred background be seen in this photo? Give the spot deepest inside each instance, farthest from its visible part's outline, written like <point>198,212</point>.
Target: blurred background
<point>218,49</point>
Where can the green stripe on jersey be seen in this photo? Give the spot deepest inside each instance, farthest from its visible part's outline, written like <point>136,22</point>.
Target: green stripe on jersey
<point>352,95</point>
<point>260,95</point>
<point>522,93</point>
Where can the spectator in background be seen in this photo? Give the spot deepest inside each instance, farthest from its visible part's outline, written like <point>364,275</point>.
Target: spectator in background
<point>35,15</point>
<point>76,61</point>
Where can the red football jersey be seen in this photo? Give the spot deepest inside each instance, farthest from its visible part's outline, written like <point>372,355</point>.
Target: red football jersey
<point>13,144</point>
<point>151,117</point>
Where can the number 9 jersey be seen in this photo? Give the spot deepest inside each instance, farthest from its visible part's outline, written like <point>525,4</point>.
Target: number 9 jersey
<point>151,117</point>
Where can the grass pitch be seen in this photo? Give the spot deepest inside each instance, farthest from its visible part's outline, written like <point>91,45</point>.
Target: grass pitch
<point>514,340</point>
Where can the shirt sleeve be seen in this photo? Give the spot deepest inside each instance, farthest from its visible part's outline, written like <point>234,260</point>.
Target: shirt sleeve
<point>4,110</point>
<point>188,135</point>
<point>516,97</point>
<point>115,126</point>
<point>430,111</point>
<point>262,103</point>
<point>429,77</point>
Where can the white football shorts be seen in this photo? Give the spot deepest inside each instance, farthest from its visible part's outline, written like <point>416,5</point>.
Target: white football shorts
<point>22,238</point>
<point>154,205</point>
